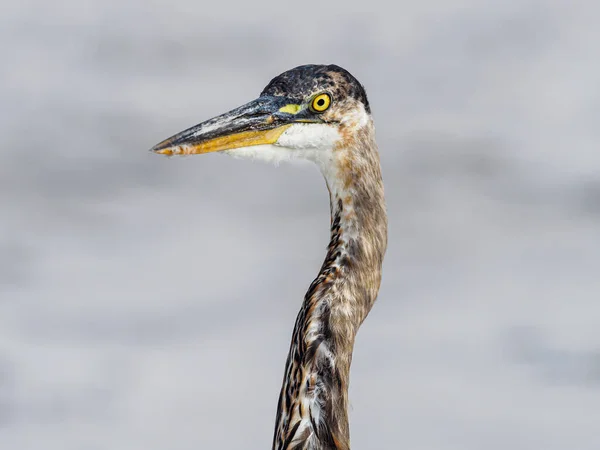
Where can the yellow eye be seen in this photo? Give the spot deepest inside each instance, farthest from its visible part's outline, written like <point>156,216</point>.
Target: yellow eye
<point>320,103</point>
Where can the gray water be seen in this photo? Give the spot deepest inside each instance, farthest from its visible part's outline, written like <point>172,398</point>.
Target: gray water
<point>147,303</point>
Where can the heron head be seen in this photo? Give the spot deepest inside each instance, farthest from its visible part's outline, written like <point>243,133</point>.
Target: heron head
<point>304,113</point>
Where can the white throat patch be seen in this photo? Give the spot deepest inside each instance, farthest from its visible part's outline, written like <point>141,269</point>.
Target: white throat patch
<point>300,142</point>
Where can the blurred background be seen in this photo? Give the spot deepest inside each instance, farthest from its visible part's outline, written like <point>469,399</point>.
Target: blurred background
<point>147,303</point>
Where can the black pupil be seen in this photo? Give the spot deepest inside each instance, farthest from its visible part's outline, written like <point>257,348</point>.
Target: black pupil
<point>320,102</point>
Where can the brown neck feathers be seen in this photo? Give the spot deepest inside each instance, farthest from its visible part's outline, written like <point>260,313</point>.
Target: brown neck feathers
<point>313,404</point>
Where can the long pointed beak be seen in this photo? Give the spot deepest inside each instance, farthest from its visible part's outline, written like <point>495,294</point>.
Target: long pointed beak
<point>261,121</point>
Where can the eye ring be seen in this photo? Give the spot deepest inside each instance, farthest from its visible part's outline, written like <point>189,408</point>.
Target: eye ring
<point>320,103</point>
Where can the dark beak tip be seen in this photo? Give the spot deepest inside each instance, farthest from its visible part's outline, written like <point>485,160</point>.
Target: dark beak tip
<point>163,148</point>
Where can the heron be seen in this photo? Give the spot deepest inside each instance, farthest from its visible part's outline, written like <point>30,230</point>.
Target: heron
<point>320,114</point>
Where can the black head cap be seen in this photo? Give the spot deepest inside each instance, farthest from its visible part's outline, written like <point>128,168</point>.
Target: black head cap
<point>304,81</point>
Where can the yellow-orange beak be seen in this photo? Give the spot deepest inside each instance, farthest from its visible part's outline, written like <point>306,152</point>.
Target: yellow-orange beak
<point>259,122</point>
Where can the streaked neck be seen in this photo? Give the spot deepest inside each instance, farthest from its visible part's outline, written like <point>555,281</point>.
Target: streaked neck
<point>312,410</point>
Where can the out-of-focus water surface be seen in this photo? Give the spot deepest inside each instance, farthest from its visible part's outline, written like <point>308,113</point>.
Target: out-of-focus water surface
<point>147,303</point>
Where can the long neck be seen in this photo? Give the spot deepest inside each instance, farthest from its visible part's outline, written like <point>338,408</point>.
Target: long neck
<point>312,410</point>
